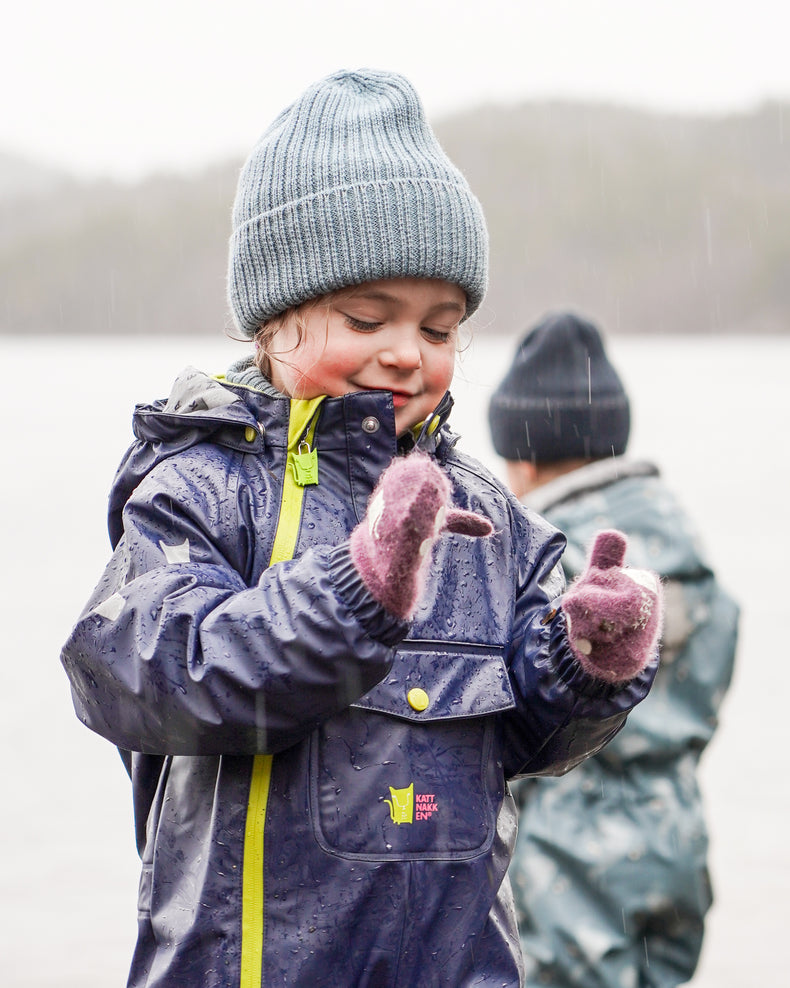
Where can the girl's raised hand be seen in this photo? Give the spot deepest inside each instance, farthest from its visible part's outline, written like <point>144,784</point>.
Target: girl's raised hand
<point>613,613</point>
<point>407,513</point>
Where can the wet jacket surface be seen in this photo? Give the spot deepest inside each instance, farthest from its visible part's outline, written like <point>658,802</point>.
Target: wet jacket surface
<point>303,817</point>
<point>610,872</point>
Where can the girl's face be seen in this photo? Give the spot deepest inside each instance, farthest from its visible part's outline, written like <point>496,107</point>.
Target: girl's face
<point>395,334</point>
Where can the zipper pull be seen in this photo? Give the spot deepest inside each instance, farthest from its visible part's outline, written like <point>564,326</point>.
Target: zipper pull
<point>305,465</point>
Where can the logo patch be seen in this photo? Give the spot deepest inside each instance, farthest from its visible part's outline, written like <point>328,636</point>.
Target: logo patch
<point>406,806</point>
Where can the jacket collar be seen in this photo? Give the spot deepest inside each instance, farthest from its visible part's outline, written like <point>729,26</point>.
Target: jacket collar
<point>590,477</point>
<point>252,415</point>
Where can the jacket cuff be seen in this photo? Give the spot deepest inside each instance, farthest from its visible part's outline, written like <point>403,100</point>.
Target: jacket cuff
<point>350,588</point>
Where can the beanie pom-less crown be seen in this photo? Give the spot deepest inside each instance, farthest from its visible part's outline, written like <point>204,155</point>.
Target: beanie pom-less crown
<point>349,185</point>
<point>561,398</point>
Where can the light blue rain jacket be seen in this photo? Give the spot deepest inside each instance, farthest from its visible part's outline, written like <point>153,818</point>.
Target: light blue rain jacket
<point>610,871</point>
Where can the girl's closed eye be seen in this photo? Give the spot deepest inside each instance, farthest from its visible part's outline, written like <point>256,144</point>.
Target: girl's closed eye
<point>438,335</point>
<point>360,325</point>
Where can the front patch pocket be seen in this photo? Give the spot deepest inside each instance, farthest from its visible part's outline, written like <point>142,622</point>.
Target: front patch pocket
<point>412,770</point>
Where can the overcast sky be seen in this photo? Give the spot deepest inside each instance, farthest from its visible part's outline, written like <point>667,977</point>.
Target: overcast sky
<point>125,88</point>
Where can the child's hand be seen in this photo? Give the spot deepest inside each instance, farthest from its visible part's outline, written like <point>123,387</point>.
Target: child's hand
<point>408,511</point>
<point>614,613</point>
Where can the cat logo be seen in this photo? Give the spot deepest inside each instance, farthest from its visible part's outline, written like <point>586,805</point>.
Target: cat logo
<point>401,805</point>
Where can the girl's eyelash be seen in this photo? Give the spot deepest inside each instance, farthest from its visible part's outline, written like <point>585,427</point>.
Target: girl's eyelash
<point>437,334</point>
<point>363,327</point>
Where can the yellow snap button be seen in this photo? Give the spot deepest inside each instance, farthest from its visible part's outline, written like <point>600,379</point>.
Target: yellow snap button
<point>418,699</point>
<point>250,434</point>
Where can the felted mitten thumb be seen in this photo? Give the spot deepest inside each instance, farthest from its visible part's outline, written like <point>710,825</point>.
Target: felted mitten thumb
<point>613,613</point>
<point>409,509</point>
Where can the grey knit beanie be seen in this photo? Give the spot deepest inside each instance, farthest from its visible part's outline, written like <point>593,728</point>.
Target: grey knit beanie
<point>561,398</point>
<point>349,185</point>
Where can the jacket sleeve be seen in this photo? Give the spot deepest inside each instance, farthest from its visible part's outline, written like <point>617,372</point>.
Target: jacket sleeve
<point>176,654</point>
<point>563,715</point>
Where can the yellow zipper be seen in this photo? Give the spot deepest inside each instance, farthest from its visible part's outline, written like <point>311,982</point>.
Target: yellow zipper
<point>302,419</point>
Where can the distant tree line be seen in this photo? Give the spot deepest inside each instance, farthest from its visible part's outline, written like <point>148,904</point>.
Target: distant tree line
<point>650,223</point>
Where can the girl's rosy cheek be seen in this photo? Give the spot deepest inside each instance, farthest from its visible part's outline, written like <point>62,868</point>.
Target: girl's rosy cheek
<point>442,374</point>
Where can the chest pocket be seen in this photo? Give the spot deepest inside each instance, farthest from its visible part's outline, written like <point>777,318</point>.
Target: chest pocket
<point>412,770</point>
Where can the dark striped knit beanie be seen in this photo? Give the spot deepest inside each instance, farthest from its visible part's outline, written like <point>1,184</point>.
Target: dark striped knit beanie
<point>349,185</point>
<point>561,398</point>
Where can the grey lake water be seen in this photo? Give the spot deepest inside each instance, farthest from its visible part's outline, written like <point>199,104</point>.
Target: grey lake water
<point>713,412</point>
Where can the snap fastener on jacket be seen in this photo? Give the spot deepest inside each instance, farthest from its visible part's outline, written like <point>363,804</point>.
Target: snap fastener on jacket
<point>370,424</point>
<point>418,699</point>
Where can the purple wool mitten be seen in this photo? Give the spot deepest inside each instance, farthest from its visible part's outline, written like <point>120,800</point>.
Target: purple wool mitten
<point>613,613</point>
<point>409,509</point>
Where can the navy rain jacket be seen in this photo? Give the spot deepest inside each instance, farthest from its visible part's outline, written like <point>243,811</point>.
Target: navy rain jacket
<point>320,789</point>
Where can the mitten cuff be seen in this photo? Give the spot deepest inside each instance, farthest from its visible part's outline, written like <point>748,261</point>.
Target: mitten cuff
<point>582,679</point>
<point>613,639</point>
<point>350,587</point>
<point>612,663</point>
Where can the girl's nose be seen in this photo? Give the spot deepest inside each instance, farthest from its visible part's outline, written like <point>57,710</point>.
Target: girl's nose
<point>402,351</point>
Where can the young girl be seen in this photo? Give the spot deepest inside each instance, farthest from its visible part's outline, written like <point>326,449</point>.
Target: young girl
<point>326,638</point>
